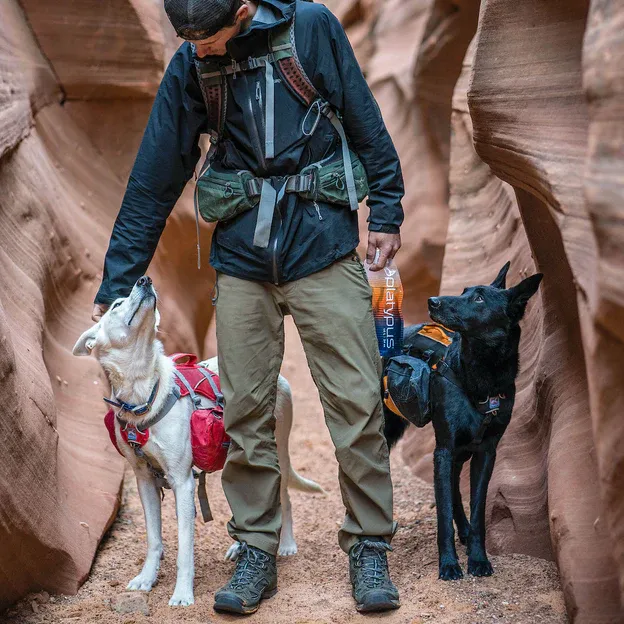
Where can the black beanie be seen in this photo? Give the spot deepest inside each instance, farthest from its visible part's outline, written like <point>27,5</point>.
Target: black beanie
<point>200,19</point>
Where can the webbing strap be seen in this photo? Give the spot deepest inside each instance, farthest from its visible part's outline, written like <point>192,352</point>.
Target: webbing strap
<point>268,200</point>
<point>213,385</point>
<point>299,183</point>
<point>196,400</point>
<point>269,139</point>
<point>204,505</point>
<point>346,156</point>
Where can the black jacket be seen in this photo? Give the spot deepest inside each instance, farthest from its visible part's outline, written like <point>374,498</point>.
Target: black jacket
<point>303,239</point>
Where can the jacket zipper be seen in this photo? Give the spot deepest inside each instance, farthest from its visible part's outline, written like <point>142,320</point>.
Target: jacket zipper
<point>318,211</point>
<point>279,228</point>
<point>259,95</point>
<point>255,135</point>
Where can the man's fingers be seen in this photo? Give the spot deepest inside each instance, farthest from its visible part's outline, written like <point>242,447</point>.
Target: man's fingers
<point>370,252</point>
<point>384,253</point>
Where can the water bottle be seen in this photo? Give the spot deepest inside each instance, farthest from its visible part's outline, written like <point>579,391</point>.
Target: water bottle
<point>387,307</point>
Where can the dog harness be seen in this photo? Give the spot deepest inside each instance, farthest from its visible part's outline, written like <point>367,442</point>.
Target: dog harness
<point>431,347</point>
<point>208,438</point>
<point>488,408</point>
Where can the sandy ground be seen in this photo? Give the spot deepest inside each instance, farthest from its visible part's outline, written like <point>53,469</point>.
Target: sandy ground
<point>313,585</point>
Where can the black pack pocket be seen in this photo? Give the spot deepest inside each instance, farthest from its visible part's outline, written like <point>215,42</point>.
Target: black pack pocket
<point>408,385</point>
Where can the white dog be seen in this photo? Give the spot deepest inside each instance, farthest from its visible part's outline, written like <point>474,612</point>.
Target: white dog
<point>125,344</point>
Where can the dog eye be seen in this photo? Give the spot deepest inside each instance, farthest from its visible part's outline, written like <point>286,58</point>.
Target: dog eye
<point>479,299</point>
<point>116,304</point>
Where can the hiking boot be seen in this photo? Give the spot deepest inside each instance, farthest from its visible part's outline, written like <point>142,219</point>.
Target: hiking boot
<point>254,578</point>
<point>368,568</point>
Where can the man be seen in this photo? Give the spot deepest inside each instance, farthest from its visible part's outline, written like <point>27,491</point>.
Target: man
<point>308,269</point>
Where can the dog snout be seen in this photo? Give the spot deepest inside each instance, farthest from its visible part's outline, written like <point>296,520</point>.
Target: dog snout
<point>145,281</point>
<point>434,303</point>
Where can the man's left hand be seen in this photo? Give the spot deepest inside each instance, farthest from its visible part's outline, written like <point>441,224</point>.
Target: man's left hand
<point>388,245</point>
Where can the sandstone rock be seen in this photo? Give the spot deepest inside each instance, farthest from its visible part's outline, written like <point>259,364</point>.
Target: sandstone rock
<point>59,468</point>
<point>26,80</point>
<point>398,31</point>
<point>603,79</point>
<point>530,126</point>
<point>101,50</point>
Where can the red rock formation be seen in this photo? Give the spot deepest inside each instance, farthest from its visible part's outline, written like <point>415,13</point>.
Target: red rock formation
<point>62,174</point>
<point>603,79</point>
<point>413,122</point>
<point>530,126</point>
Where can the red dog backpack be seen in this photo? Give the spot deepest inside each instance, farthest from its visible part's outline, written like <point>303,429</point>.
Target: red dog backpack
<point>209,441</point>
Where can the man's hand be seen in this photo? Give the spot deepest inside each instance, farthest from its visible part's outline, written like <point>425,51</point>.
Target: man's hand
<point>388,245</point>
<point>99,309</point>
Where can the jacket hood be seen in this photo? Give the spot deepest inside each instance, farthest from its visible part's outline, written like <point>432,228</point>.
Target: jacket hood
<point>270,13</point>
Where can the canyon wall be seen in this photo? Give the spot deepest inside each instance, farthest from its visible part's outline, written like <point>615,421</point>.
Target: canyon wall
<point>76,85</point>
<point>535,177</point>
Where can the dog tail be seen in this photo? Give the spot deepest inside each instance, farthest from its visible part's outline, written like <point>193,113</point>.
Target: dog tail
<point>297,482</point>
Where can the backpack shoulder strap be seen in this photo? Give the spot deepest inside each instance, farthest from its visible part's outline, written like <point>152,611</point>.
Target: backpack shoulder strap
<point>212,83</point>
<point>282,44</point>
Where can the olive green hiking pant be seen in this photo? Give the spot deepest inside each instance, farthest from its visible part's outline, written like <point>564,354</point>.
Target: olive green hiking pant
<point>333,314</point>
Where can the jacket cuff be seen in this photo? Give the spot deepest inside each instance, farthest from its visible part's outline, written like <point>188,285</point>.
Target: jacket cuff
<point>384,228</point>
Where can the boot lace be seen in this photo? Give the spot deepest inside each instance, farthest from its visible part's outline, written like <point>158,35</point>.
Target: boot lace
<point>370,558</point>
<point>250,562</point>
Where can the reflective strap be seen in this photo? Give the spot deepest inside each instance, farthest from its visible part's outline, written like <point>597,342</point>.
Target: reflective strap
<point>196,400</point>
<point>265,215</point>
<point>213,385</point>
<point>269,139</point>
<point>204,505</point>
<point>346,156</point>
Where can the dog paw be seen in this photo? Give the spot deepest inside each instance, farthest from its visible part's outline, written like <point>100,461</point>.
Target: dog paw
<point>182,598</point>
<point>450,572</point>
<point>287,549</point>
<point>142,582</point>
<point>232,552</point>
<point>480,567</point>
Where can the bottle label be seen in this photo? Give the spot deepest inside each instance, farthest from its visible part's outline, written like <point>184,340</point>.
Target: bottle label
<point>387,308</point>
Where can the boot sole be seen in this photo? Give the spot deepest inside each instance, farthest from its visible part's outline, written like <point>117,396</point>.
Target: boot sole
<point>226,606</point>
<point>385,605</point>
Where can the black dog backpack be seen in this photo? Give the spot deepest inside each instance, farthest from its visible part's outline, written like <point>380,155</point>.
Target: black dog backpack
<point>407,377</point>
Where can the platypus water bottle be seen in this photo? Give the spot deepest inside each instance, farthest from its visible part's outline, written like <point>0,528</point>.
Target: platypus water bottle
<point>387,308</point>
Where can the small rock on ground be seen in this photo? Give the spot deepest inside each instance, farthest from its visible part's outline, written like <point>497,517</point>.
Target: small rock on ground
<point>130,603</point>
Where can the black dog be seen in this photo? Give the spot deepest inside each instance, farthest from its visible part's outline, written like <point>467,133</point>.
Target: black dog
<point>472,395</point>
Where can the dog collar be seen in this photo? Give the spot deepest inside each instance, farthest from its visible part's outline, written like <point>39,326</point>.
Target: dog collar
<point>136,410</point>
<point>171,400</point>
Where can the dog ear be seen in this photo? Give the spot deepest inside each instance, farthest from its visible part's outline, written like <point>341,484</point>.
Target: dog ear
<point>501,278</point>
<point>86,342</point>
<point>520,295</point>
